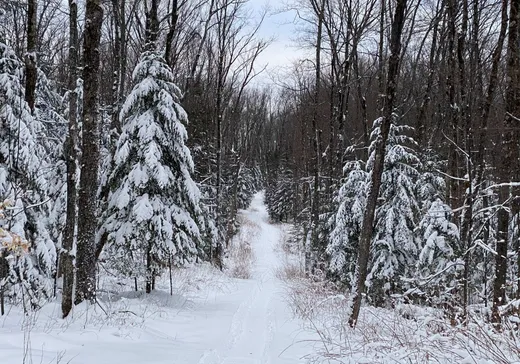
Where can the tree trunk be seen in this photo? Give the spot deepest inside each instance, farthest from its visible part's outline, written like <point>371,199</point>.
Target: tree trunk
<point>222,37</point>
<point>152,26</point>
<point>377,172</point>
<point>87,196</point>
<point>171,32</point>
<point>4,269</point>
<point>453,184</point>
<point>115,127</point>
<point>149,273</point>
<point>509,162</point>
<point>430,80</point>
<point>124,50</point>
<point>67,264</point>
<point>316,247</point>
<point>381,57</point>
<point>31,72</point>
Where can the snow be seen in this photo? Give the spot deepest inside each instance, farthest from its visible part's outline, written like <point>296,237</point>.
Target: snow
<point>211,319</point>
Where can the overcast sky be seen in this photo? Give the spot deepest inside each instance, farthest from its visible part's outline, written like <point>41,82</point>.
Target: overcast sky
<point>282,52</point>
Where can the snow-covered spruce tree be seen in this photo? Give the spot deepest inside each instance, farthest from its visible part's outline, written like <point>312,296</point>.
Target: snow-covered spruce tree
<point>154,205</point>
<point>280,194</point>
<point>485,235</point>
<point>437,262</point>
<point>47,113</point>
<point>238,189</point>
<point>247,185</point>
<point>431,185</point>
<point>394,249</point>
<point>343,242</point>
<point>23,184</point>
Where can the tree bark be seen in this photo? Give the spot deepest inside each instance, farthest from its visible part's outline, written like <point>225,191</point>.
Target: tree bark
<point>149,270</point>
<point>430,79</point>
<point>71,145</point>
<point>381,56</point>
<point>87,196</point>
<point>317,248</point>
<point>31,72</point>
<point>171,32</point>
<point>377,171</point>
<point>509,163</point>
<point>152,26</point>
<point>115,127</point>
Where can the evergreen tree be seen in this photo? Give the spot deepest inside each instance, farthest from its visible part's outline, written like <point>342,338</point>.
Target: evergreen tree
<point>154,205</point>
<point>280,194</point>
<point>436,265</point>
<point>23,190</point>
<point>395,249</point>
<point>430,185</point>
<point>247,186</point>
<point>342,248</point>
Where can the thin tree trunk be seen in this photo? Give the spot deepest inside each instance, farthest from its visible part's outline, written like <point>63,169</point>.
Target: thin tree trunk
<point>381,56</point>
<point>31,72</point>
<point>87,219</point>
<point>453,184</point>
<point>485,107</point>
<point>429,82</point>
<point>219,118</point>
<point>3,274</point>
<point>115,127</point>
<point>124,50</point>
<point>377,171</point>
<point>316,248</point>
<point>467,223</point>
<point>149,272</point>
<point>171,275</point>
<point>509,162</point>
<point>171,32</point>
<point>72,165</point>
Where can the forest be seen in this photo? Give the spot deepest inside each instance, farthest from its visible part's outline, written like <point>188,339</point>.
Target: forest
<point>135,131</point>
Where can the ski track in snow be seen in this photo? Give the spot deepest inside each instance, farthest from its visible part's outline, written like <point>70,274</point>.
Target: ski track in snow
<point>254,337</point>
<point>250,323</point>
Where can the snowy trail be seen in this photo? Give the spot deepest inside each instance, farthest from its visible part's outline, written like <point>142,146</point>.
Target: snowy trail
<point>262,331</point>
<point>247,322</point>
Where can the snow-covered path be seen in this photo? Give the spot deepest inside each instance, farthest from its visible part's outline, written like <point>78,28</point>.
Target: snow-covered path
<point>242,322</point>
<point>261,329</point>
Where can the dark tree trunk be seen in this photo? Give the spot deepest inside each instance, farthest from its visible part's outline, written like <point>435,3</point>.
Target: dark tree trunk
<point>124,50</point>
<point>4,269</point>
<point>171,32</point>
<point>152,26</point>
<point>67,265</point>
<point>149,272</point>
<point>377,171</point>
<point>381,56</point>
<point>115,127</point>
<point>223,18</point>
<point>31,72</point>
<point>317,248</point>
<point>431,78</point>
<point>453,183</point>
<point>87,196</point>
<point>509,161</point>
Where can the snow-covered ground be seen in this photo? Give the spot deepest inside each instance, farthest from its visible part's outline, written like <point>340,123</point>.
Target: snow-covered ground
<point>211,319</point>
